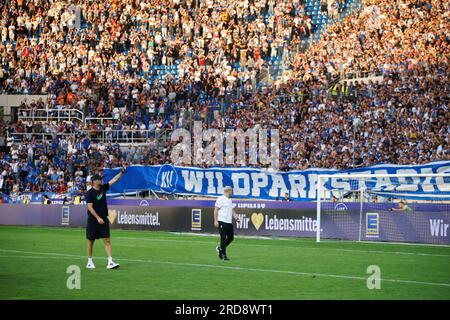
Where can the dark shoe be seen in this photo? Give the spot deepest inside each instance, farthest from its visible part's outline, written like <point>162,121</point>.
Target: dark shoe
<point>219,252</point>
<point>226,258</point>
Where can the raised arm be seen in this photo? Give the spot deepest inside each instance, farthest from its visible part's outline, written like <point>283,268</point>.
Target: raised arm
<point>117,176</point>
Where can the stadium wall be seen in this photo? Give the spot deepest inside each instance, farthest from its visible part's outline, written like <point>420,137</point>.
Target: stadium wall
<point>424,225</point>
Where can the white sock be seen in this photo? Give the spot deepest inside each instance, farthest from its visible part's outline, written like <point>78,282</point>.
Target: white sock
<point>90,260</point>
<point>110,260</point>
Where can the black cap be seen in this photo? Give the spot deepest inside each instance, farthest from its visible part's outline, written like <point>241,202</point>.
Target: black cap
<point>96,177</point>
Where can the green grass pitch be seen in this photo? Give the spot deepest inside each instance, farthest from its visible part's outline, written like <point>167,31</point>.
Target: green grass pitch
<point>163,265</point>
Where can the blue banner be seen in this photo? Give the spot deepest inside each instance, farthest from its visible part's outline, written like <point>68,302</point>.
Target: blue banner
<point>254,183</point>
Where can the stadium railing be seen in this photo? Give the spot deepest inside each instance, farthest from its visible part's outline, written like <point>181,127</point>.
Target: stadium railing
<point>50,115</point>
<point>135,137</point>
<point>97,120</point>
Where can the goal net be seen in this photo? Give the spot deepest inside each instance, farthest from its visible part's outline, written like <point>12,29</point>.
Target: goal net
<point>391,207</point>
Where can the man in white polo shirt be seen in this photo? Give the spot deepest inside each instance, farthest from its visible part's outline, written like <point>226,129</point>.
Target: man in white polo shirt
<point>223,219</point>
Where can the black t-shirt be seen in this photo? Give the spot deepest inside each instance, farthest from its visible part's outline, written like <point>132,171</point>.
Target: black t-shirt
<point>98,199</point>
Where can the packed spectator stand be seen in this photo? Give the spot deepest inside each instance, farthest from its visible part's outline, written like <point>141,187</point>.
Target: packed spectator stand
<point>139,69</point>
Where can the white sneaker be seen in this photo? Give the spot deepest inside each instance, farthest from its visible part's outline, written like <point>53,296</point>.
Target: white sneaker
<point>90,265</point>
<point>112,265</point>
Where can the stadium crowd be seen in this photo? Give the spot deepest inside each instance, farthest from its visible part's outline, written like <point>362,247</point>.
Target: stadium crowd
<point>386,35</point>
<point>65,48</point>
<point>212,51</point>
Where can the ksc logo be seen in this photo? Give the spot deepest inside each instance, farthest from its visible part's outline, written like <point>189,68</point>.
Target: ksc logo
<point>167,178</point>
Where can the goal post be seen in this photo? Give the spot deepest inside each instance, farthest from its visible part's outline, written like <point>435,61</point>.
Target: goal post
<point>384,207</point>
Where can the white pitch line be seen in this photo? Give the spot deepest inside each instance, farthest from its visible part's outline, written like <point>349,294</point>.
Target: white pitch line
<point>294,247</point>
<point>199,265</point>
<point>34,257</point>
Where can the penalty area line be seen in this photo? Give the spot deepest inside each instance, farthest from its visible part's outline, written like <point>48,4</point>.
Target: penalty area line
<point>212,266</point>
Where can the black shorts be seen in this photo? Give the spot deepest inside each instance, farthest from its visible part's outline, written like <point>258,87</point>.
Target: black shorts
<point>95,230</point>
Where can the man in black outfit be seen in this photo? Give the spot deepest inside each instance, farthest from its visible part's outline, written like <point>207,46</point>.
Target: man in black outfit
<point>98,223</point>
